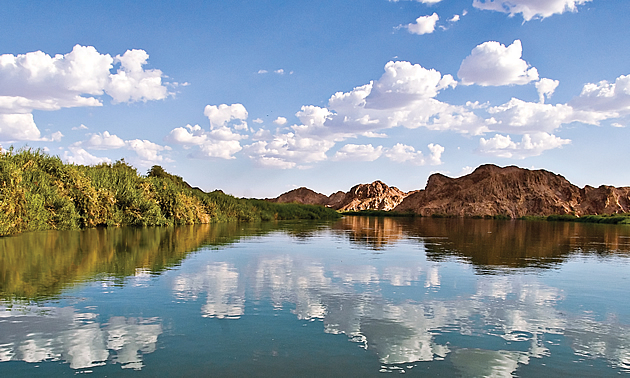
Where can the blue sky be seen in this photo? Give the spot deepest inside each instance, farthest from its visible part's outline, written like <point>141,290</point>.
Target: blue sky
<point>260,97</point>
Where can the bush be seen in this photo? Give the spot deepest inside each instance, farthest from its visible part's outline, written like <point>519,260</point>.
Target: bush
<point>40,192</point>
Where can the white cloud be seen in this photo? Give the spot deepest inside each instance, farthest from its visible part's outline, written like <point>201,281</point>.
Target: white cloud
<point>103,141</point>
<point>224,149</point>
<point>18,127</point>
<point>612,99</point>
<point>54,137</point>
<point>493,64</point>
<point>521,117</point>
<point>258,120</point>
<point>81,127</point>
<point>220,115</point>
<point>455,18</point>
<point>530,145</point>
<point>280,121</point>
<point>218,143</point>
<point>80,156</point>
<point>358,152</point>
<point>279,71</point>
<point>262,71</point>
<point>189,135</point>
<point>133,83</point>
<point>289,148</point>
<point>146,150</point>
<point>401,153</point>
<point>403,96</point>
<point>616,124</point>
<point>530,8</point>
<point>545,88</point>
<point>37,81</point>
<point>274,162</point>
<point>436,154</point>
<point>423,24</point>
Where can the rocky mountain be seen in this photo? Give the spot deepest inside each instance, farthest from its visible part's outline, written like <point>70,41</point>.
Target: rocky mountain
<point>301,195</point>
<point>488,191</point>
<point>514,192</point>
<point>374,196</point>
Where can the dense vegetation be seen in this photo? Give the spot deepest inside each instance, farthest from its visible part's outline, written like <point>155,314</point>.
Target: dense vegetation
<point>608,219</point>
<point>39,192</point>
<point>380,213</point>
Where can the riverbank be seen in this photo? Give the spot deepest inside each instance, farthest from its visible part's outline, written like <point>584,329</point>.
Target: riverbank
<point>623,218</point>
<point>39,192</point>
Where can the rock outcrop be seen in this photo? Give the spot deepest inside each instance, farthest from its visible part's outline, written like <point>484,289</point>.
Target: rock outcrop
<point>374,196</point>
<point>488,191</point>
<point>301,195</point>
<point>513,192</point>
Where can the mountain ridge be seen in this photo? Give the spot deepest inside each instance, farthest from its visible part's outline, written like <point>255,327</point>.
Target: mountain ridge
<point>489,190</point>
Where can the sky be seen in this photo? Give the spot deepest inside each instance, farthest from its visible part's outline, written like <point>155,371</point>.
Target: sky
<point>260,97</point>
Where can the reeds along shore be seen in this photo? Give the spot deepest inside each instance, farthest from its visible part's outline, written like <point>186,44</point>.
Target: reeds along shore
<point>40,192</point>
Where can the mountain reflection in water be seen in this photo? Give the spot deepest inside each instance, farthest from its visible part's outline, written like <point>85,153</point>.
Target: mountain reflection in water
<point>467,297</point>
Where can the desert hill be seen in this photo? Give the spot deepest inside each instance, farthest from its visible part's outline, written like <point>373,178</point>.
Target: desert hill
<point>514,192</point>
<point>488,191</point>
<point>374,196</point>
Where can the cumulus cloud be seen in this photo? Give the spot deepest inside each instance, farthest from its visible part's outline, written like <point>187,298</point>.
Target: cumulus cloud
<point>81,127</point>
<point>405,95</point>
<point>289,150</point>
<point>133,83</point>
<point>222,140</point>
<point>38,81</point>
<point>401,153</point>
<point>530,9</point>
<point>258,120</point>
<point>223,149</point>
<point>280,121</point>
<point>78,155</point>
<point>455,18</point>
<point>358,152</point>
<point>493,64</point>
<point>612,99</point>
<point>520,117</point>
<point>218,143</point>
<point>103,141</point>
<point>545,88</point>
<point>220,115</point>
<point>530,145</point>
<point>423,24</point>
<point>147,151</point>
<point>18,127</point>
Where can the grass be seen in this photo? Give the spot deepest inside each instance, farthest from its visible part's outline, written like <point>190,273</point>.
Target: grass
<point>380,213</point>
<point>623,218</point>
<point>40,192</point>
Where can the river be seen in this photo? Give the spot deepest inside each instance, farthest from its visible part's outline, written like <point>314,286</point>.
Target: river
<point>360,296</point>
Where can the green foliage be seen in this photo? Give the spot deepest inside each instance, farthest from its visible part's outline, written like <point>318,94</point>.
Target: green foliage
<point>623,218</point>
<point>380,213</point>
<point>40,192</point>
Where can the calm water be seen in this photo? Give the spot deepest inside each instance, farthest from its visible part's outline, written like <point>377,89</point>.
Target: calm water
<point>355,297</point>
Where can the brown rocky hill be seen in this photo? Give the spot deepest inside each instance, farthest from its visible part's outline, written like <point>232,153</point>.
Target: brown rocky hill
<point>374,196</point>
<point>301,195</point>
<point>514,192</point>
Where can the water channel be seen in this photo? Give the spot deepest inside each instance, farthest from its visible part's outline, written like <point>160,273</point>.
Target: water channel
<point>360,296</point>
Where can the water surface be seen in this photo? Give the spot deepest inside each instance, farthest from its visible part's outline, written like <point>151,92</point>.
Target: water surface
<point>356,297</point>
